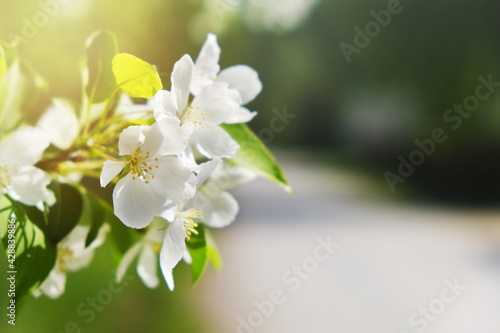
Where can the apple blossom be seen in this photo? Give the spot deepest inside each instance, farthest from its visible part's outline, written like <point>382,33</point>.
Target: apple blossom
<point>211,205</point>
<point>60,124</point>
<point>19,177</point>
<point>147,250</point>
<point>218,98</point>
<point>155,180</point>
<point>72,255</point>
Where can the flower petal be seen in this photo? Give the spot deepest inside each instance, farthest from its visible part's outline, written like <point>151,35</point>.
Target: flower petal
<point>164,105</point>
<point>155,139</point>
<point>218,102</point>
<point>207,169</point>
<point>127,260</point>
<point>60,124</point>
<point>206,66</point>
<point>175,136</point>
<point>147,266</point>
<point>168,276</point>
<point>25,146</point>
<point>228,176</point>
<point>224,210</point>
<point>29,186</point>
<point>173,180</point>
<point>188,159</point>
<point>169,210</point>
<point>241,115</point>
<point>135,202</point>
<point>131,138</point>
<point>101,237</point>
<point>110,170</point>
<point>80,260</point>
<point>130,111</point>
<point>186,256</point>
<point>215,142</point>
<point>53,285</point>
<point>172,250</point>
<point>202,202</point>
<point>244,79</point>
<point>182,76</point>
<point>156,231</point>
<point>74,242</point>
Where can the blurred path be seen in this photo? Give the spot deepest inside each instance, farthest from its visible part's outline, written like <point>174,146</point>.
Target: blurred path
<point>398,269</point>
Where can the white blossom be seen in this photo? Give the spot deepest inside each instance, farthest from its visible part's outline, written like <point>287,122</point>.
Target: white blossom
<point>156,180</point>
<point>217,99</point>
<point>147,250</point>
<point>72,255</point>
<point>19,177</point>
<point>60,124</point>
<point>218,206</point>
<point>211,205</point>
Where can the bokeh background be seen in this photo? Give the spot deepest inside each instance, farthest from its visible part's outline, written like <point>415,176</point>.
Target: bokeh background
<point>349,121</point>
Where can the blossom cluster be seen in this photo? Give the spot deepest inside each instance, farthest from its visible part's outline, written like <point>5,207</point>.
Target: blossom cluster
<point>159,174</point>
<point>169,162</point>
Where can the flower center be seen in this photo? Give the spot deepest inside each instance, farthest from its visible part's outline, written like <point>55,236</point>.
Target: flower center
<point>63,257</point>
<point>5,173</point>
<point>187,220</point>
<point>142,166</point>
<point>194,115</point>
<point>157,247</point>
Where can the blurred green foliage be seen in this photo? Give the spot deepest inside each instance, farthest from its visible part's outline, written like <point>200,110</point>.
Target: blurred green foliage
<point>366,112</point>
<point>131,308</point>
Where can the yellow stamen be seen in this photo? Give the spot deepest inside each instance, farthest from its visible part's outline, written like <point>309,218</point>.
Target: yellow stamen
<point>141,165</point>
<point>194,115</point>
<point>5,172</point>
<point>189,224</point>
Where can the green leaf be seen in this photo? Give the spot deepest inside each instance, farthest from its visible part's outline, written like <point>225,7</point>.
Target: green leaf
<point>136,77</point>
<point>96,216</point>
<point>255,156</point>
<point>64,215</point>
<point>5,211</point>
<point>101,46</point>
<point>202,248</point>
<point>36,216</point>
<point>213,251</point>
<point>197,247</point>
<point>34,255</point>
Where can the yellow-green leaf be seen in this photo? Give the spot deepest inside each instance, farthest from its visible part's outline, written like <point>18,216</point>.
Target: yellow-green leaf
<point>135,76</point>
